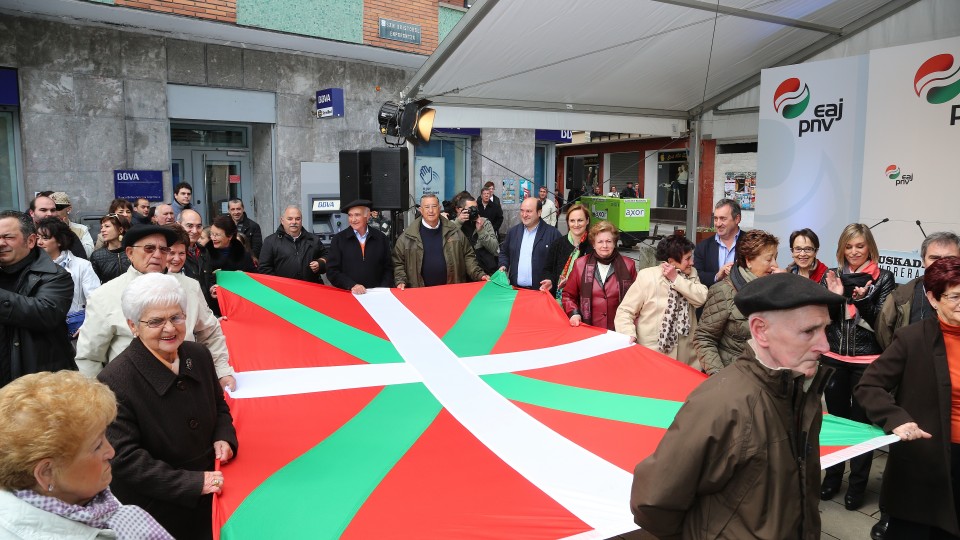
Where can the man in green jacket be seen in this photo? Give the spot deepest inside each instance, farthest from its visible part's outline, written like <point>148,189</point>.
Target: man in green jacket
<point>433,251</point>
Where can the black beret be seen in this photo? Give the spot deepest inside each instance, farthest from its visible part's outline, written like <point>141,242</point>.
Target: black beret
<point>359,202</point>
<point>137,232</point>
<point>782,291</point>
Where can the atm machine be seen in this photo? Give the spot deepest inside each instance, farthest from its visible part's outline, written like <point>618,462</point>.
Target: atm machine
<point>320,188</point>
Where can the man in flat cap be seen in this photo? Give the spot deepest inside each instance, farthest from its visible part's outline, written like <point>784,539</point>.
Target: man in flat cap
<point>359,257</point>
<point>105,333</point>
<point>742,456</point>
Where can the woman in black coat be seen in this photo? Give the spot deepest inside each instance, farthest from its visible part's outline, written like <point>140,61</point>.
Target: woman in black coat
<point>172,421</point>
<point>853,343</point>
<point>910,391</point>
<point>225,252</point>
<point>562,255</point>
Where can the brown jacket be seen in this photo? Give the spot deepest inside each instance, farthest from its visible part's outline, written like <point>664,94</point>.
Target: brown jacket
<point>910,382</point>
<point>741,459</point>
<point>408,256</point>
<point>895,312</point>
<point>722,331</point>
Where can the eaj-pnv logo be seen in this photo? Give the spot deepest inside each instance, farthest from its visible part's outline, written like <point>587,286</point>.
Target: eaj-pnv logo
<point>938,81</point>
<point>893,173</point>
<point>791,98</point>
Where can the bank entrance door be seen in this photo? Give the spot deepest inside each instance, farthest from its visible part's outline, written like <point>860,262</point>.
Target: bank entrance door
<point>215,160</point>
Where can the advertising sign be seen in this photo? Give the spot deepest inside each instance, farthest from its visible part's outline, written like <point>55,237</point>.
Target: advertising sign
<point>330,103</point>
<point>428,177</point>
<point>627,215</point>
<point>133,185</point>
<point>913,132</point>
<point>810,143</point>
<point>905,265</point>
<point>554,135</point>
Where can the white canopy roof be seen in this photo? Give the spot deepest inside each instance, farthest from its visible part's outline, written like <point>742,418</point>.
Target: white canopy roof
<point>634,58</point>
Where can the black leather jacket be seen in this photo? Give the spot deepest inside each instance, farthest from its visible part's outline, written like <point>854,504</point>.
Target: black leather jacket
<point>848,336</point>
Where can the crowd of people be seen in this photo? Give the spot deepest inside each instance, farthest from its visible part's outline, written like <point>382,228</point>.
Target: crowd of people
<point>135,307</point>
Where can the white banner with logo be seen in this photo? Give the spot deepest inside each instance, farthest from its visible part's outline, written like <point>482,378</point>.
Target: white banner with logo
<point>911,163</point>
<point>810,147</point>
<point>428,177</point>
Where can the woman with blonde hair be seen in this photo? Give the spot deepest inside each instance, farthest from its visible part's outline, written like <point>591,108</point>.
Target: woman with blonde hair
<point>55,462</point>
<point>853,345</point>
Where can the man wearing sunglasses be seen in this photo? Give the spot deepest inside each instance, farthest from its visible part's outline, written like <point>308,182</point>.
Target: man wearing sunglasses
<point>105,332</point>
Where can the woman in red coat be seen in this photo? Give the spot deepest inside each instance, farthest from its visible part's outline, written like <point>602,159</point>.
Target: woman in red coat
<point>599,281</point>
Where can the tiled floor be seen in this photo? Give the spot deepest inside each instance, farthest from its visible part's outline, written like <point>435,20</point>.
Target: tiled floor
<point>841,524</point>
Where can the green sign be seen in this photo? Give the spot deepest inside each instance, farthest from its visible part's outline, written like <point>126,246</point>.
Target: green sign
<point>628,215</point>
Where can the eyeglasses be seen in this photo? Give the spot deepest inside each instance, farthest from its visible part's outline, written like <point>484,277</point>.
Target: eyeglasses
<point>150,248</point>
<point>950,298</point>
<point>176,320</point>
<point>807,250</point>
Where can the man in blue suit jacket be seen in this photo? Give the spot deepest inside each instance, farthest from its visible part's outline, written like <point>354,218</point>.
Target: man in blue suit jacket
<point>706,256</point>
<point>524,252</point>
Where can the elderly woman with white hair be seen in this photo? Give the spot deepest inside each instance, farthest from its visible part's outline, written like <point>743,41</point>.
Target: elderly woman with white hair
<point>55,463</point>
<point>172,422</point>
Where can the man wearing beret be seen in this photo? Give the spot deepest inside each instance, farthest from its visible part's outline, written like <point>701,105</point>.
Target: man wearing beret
<point>105,333</point>
<point>359,257</point>
<point>742,456</point>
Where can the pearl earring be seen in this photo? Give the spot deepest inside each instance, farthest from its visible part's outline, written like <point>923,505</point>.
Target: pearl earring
<point>50,487</point>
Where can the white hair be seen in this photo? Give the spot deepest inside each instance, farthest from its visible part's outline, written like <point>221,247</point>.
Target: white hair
<point>151,290</point>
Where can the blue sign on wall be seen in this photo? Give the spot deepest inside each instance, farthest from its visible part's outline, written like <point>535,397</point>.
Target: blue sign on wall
<point>9,95</point>
<point>330,102</point>
<point>133,185</point>
<point>554,135</point>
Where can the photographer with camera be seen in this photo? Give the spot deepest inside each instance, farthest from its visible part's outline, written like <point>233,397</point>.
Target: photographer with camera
<point>478,230</point>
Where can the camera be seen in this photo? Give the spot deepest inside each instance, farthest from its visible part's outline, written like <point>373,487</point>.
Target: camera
<point>473,213</point>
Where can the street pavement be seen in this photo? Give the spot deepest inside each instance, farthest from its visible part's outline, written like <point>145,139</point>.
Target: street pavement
<point>842,524</point>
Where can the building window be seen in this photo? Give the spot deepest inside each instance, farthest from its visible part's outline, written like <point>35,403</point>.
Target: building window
<point>440,167</point>
<point>207,136</point>
<point>10,192</point>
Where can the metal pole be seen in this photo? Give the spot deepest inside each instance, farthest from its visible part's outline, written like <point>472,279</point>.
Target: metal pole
<point>693,179</point>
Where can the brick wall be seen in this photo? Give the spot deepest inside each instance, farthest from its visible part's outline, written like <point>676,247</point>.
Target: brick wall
<point>420,12</point>
<point>218,10</point>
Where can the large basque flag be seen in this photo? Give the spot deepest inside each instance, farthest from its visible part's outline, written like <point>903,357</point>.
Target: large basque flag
<point>462,411</point>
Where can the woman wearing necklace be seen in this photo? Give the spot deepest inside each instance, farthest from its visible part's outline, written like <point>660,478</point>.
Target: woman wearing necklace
<point>562,255</point>
<point>599,281</point>
<point>853,345</point>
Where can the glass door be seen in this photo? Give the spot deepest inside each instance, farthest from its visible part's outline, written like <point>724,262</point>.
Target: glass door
<point>220,175</point>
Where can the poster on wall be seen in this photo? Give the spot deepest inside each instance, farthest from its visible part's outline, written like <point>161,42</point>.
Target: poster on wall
<point>913,132</point>
<point>810,146</point>
<point>741,187</point>
<point>526,189</point>
<point>509,193</point>
<point>429,177</point>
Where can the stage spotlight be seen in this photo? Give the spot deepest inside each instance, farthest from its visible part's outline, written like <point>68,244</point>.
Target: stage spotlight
<point>403,122</point>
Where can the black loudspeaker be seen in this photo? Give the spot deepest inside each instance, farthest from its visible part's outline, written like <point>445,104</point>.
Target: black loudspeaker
<point>390,174</point>
<point>355,182</point>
